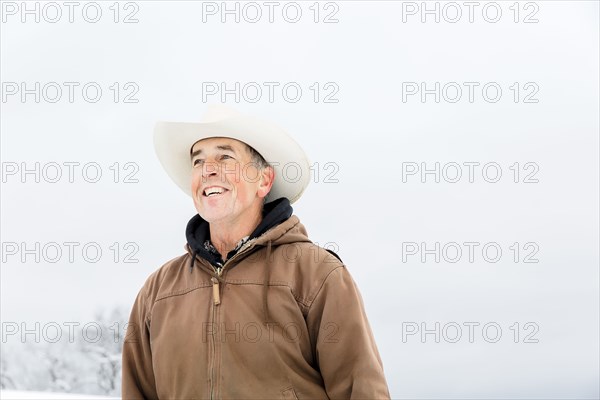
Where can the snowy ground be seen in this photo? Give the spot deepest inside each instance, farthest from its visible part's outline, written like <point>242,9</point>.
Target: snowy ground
<point>21,395</point>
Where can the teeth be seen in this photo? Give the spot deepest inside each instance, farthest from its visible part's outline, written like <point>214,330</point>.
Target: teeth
<point>213,190</point>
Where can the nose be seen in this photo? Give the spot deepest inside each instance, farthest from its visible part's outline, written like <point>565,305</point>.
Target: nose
<point>210,168</point>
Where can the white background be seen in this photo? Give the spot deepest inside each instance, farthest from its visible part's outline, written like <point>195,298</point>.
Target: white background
<point>369,133</point>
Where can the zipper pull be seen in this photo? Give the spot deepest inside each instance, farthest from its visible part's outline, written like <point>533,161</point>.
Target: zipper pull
<point>216,296</point>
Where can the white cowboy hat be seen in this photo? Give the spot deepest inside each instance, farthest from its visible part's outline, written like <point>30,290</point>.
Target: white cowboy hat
<point>174,140</point>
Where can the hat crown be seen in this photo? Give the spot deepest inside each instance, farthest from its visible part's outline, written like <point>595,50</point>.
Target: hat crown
<point>218,112</point>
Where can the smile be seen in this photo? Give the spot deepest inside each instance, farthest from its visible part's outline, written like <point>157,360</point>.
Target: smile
<point>214,191</point>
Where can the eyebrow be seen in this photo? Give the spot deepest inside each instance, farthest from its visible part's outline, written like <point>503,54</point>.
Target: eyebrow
<point>224,147</point>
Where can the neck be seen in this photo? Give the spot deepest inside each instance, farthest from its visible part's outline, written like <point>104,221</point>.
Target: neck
<point>224,235</point>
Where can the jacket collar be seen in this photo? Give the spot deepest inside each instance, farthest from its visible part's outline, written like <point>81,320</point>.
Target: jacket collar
<point>197,231</point>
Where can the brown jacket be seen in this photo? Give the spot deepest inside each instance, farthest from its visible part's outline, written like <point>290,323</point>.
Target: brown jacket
<point>284,320</point>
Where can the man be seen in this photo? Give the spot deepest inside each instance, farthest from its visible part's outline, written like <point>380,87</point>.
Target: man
<point>253,310</point>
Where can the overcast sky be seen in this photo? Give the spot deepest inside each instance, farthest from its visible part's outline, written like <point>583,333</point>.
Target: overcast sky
<point>501,98</point>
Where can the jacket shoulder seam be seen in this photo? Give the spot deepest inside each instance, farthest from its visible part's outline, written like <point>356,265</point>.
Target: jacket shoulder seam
<point>181,292</point>
<point>157,279</point>
<point>298,299</point>
<point>312,299</point>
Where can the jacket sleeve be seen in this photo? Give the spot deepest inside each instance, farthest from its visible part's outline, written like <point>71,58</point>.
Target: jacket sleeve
<point>344,344</point>
<point>138,375</point>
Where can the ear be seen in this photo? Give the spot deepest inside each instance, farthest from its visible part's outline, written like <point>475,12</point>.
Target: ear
<point>266,182</point>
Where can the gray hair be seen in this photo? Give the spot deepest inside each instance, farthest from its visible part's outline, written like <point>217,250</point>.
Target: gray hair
<point>259,161</point>
<point>257,158</point>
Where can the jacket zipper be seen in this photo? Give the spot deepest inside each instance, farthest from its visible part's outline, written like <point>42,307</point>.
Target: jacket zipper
<point>216,301</point>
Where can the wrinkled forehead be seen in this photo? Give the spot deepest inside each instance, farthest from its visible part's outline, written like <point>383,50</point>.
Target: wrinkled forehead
<point>223,143</point>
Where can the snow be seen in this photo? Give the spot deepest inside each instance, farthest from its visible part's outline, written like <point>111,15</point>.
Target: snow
<point>20,395</point>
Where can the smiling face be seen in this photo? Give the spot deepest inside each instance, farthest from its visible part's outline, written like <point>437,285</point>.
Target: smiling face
<point>227,186</point>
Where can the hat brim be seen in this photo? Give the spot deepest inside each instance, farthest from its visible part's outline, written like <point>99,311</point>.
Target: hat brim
<point>173,141</point>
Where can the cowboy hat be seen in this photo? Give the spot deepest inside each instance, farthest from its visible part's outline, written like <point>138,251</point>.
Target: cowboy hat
<point>174,140</point>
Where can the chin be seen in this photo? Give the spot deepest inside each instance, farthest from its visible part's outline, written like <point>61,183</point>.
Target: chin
<point>213,215</point>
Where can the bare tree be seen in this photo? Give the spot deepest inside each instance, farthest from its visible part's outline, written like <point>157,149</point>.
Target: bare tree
<point>6,382</point>
<point>91,364</point>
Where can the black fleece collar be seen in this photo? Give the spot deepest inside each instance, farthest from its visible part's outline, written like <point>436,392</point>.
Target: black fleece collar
<point>197,230</point>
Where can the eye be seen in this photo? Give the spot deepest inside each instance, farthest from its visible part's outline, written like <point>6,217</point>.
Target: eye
<point>225,156</point>
<point>198,161</point>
